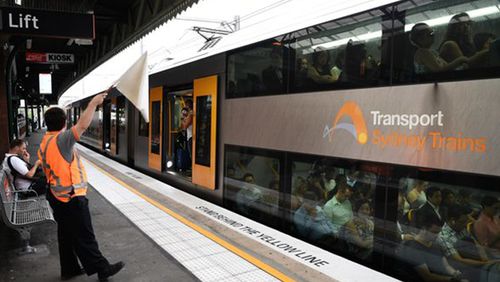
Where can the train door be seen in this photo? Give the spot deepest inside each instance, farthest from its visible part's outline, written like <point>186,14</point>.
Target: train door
<point>106,130</point>
<point>177,154</point>
<point>113,126</point>
<point>204,131</point>
<point>155,128</point>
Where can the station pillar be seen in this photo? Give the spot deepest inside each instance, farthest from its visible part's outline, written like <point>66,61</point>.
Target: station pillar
<point>4,104</point>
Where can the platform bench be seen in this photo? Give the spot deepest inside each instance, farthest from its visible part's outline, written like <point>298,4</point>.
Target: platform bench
<point>22,214</point>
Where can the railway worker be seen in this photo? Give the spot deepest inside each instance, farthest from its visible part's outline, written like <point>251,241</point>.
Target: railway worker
<point>67,195</point>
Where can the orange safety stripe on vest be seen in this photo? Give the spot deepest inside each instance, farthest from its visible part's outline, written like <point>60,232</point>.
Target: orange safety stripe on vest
<point>67,180</point>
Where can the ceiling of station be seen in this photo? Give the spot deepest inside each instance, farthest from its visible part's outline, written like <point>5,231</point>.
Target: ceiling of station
<point>117,24</point>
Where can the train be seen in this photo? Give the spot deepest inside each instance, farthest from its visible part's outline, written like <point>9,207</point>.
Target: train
<point>335,133</point>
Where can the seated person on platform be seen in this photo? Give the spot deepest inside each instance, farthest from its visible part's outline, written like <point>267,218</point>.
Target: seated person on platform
<point>320,71</point>
<point>339,208</point>
<point>22,173</point>
<point>458,42</point>
<point>309,220</point>
<point>425,59</point>
<point>423,260</point>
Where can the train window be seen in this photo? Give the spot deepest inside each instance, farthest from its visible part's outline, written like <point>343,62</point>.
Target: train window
<point>447,231</point>
<point>342,53</point>
<point>203,130</point>
<point>122,115</point>
<point>332,206</point>
<point>446,40</point>
<point>155,127</point>
<point>143,126</point>
<point>251,184</point>
<point>94,133</point>
<point>257,70</point>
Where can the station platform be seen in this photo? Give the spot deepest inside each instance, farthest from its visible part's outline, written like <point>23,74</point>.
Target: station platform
<point>164,234</point>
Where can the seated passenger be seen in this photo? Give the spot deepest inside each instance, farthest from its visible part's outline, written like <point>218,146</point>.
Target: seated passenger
<point>320,71</point>
<point>483,40</point>
<point>449,200</point>
<point>355,62</point>
<point>449,238</point>
<point>272,76</point>
<point>339,208</point>
<point>302,68</point>
<point>22,173</point>
<point>416,197</point>
<point>487,226</point>
<point>310,221</point>
<point>425,59</point>
<point>458,42</point>
<point>431,207</point>
<point>249,195</point>
<point>403,223</point>
<point>486,41</point>
<point>358,232</point>
<point>422,260</point>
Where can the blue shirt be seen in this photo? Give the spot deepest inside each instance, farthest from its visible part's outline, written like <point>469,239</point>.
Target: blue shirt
<point>312,227</point>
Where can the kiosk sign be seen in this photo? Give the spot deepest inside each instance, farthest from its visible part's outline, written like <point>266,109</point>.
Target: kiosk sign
<point>47,23</point>
<point>50,58</point>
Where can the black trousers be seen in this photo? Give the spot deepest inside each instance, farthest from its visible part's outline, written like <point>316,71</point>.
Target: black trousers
<point>76,236</point>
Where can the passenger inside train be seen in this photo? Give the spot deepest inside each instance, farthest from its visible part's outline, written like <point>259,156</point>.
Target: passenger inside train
<point>321,71</point>
<point>443,239</point>
<point>458,41</point>
<point>426,59</point>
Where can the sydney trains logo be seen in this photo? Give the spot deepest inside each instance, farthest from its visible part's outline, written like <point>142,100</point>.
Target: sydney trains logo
<point>357,126</point>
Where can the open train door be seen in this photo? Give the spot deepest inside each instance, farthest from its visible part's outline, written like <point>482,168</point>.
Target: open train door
<point>155,128</point>
<point>204,131</point>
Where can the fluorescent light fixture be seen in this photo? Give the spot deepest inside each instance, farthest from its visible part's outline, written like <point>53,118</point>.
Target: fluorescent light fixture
<point>80,41</point>
<point>45,83</point>
<point>486,11</point>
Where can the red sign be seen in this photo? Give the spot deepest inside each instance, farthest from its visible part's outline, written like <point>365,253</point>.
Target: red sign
<point>36,57</point>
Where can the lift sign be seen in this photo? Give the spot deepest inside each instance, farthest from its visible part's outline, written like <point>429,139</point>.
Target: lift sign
<point>46,23</point>
<point>50,58</point>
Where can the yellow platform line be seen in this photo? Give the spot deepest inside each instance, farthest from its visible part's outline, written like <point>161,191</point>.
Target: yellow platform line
<point>246,256</point>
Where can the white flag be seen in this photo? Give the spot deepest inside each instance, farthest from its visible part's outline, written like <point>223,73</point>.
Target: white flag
<point>134,85</point>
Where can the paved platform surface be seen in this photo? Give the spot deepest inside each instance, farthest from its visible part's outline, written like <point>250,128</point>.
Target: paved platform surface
<point>118,239</point>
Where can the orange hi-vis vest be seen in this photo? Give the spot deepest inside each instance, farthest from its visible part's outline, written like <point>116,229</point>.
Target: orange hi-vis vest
<point>67,180</point>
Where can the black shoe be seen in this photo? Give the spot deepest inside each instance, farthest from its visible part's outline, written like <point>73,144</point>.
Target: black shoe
<point>109,271</point>
<point>72,275</point>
